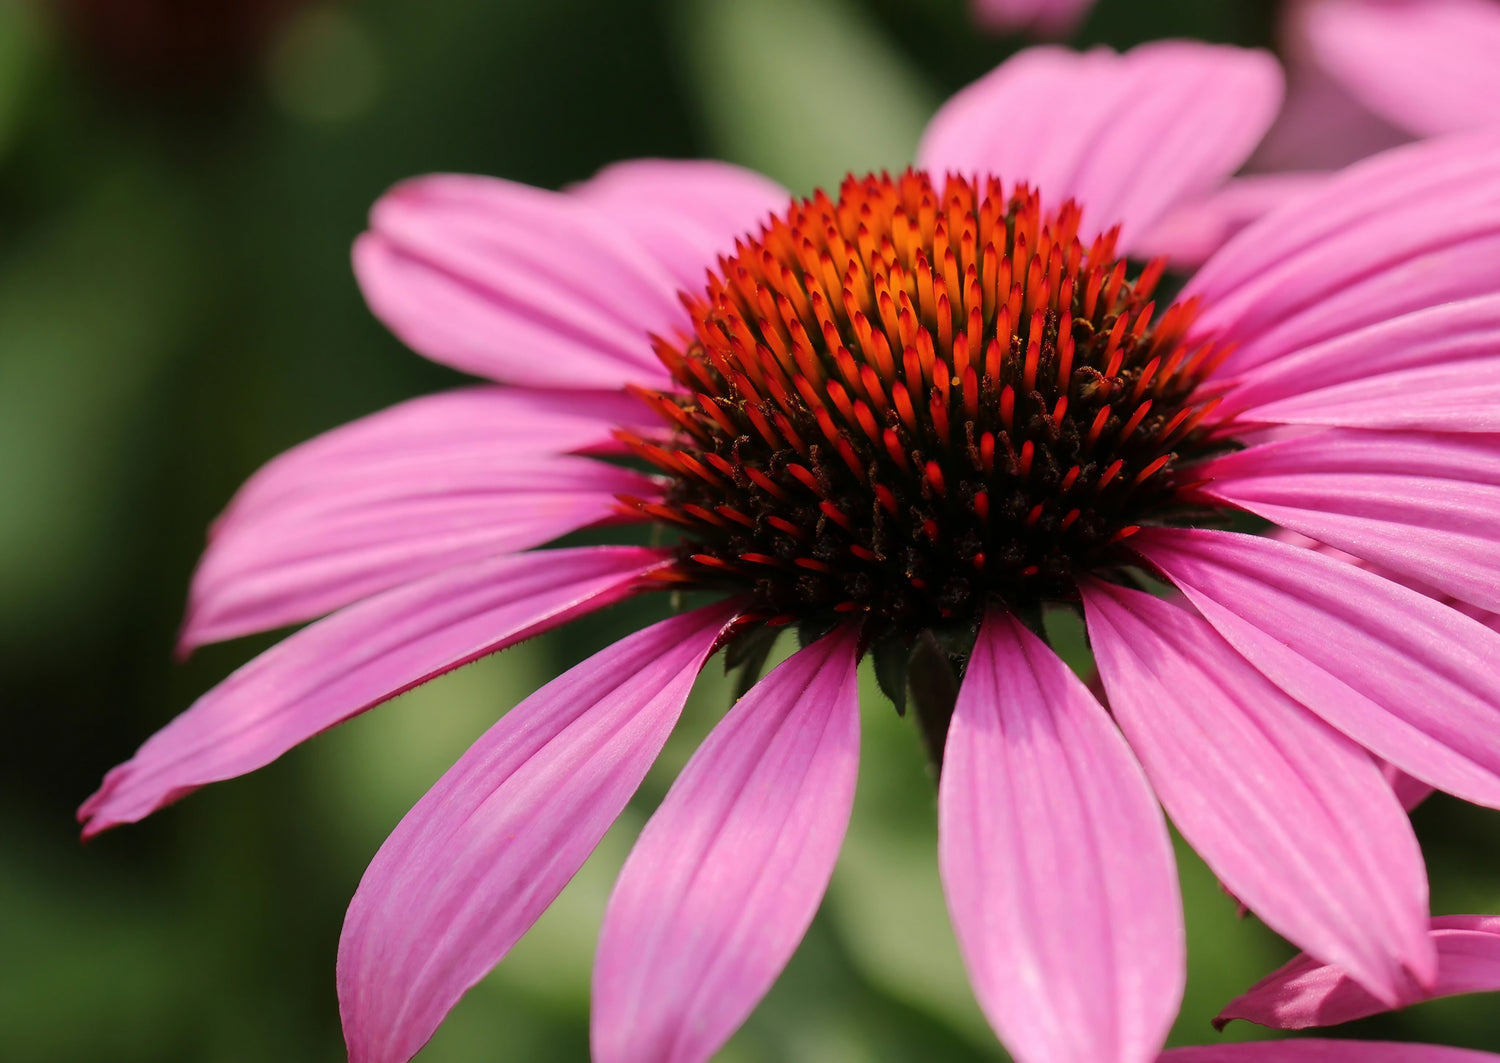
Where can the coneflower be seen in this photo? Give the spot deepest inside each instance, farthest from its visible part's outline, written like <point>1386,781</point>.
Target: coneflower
<point>908,417</point>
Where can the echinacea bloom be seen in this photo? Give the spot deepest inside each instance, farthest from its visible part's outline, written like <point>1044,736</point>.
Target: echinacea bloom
<point>1307,993</point>
<point>1046,18</point>
<point>920,411</point>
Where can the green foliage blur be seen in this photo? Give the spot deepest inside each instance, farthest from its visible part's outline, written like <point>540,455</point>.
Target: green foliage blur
<point>176,307</point>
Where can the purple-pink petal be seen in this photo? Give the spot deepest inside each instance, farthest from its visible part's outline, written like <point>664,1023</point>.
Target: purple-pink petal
<point>1056,862</point>
<point>1307,993</point>
<point>1315,1051</point>
<point>484,852</point>
<point>729,871</point>
<point>1428,66</point>
<point>1423,506</point>
<point>686,212</point>
<point>1073,124</point>
<point>465,424</point>
<point>516,284</point>
<point>1409,678</point>
<point>357,658</point>
<point>1293,817</point>
<point>1412,228</point>
<point>280,559</point>
<point>1463,397</point>
<point>1431,369</point>
<point>278,555</point>
<point>1191,232</point>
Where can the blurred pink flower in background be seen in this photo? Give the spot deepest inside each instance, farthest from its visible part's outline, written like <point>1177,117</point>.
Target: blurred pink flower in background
<point>1364,75</point>
<point>920,402</point>
<point>1046,18</point>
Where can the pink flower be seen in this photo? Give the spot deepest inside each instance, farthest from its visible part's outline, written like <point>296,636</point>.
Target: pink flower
<point>1363,76</point>
<point>1308,993</point>
<point>925,404</point>
<point>1046,18</point>
<point>1369,74</point>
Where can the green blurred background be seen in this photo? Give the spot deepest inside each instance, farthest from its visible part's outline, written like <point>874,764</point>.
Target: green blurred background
<point>179,184</point>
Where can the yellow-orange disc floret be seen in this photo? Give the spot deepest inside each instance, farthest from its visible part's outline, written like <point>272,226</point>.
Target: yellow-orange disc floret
<point>910,400</point>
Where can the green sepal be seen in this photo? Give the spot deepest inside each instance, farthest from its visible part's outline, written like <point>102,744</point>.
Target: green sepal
<point>749,653</point>
<point>891,654</point>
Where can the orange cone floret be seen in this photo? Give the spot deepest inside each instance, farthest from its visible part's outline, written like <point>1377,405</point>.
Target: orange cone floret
<point>915,398</point>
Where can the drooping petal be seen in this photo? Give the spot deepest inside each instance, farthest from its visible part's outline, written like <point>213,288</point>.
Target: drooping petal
<point>484,852</point>
<point>1424,506</point>
<point>516,284</point>
<point>1293,817</point>
<point>1409,678</point>
<point>1432,369</point>
<point>284,559</point>
<point>1307,993</point>
<point>357,658</point>
<point>729,871</point>
<point>1073,124</point>
<point>1047,18</point>
<point>1195,229</point>
<point>1426,65</point>
<point>1409,229</point>
<point>685,212</point>
<point>1315,1051</point>
<point>1056,862</point>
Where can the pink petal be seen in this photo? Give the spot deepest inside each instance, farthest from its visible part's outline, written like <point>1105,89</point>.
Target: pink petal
<point>356,659</point>
<point>516,284</point>
<point>1443,398</point>
<point>1438,362</point>
<point>685,212</point>
<point>1073,126</point>
<point>1427,66</point>
<point>1410,792</point>
<point>1056,862</point>
<point>488,848</point>
<point>1294,818</point>
<point>1296,539</point>
<point>1314,1051</point>
<point>727,875</point>
<point>1195,229</point>
<point>1046,18</point>
<point>421,443</point>
<point>365,524</point>
<point>1403,675</point>
<point>1406,230</point>
<point>1425,507</point>
<point>1307,993</point>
